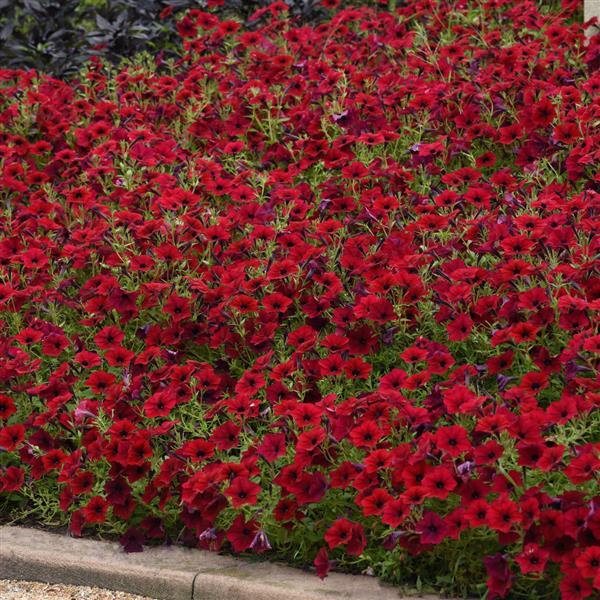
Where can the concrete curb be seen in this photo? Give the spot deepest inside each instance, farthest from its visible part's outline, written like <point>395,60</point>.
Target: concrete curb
<point>170,573</point>
<point>591,8</point>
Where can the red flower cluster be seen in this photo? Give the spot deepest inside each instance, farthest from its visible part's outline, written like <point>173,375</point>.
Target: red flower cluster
<point>331,289</point>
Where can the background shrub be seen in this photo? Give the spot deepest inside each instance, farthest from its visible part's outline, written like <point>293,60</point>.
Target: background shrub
<point>58,36</point>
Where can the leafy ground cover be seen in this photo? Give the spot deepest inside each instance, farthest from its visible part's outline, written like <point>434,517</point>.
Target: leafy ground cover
<point>324,293</point>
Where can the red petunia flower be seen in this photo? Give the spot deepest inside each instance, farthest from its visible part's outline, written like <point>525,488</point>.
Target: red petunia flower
<point>241,533</point>
<point>322,563</point>
<point>12,436</point>
<point>95,510</point>
<point>243,491</point>
<point>432,528</point>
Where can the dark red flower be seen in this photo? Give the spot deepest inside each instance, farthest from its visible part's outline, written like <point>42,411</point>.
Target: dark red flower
<point>242,491</point>
<point>241,533</point>
<point>322,563</point>
<point>431,528</point>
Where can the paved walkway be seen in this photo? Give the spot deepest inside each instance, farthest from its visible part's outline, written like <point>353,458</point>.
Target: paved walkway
<point>29,590</point>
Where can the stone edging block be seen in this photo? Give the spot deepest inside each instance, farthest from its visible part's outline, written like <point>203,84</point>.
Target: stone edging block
<point>170,573</point>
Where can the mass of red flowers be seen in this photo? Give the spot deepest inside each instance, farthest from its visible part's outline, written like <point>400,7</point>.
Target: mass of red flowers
<point>324,292</point>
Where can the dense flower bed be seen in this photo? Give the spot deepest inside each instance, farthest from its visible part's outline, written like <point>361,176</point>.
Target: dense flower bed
<point>327,293</point>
